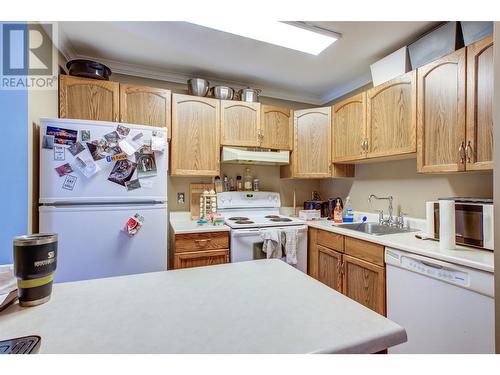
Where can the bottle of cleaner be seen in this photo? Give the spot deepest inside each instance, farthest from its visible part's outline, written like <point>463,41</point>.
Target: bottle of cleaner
<point>337,212</point>
<point>248,185</point>
<point>348,212</point>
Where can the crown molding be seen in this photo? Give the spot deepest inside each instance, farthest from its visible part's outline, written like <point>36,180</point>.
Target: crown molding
<point>70,53</point>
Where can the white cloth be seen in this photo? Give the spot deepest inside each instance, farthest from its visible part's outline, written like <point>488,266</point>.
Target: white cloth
<point>272,242</point>
<point>290,237</point>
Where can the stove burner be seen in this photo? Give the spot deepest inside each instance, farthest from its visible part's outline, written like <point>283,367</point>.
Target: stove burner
<point>272,217</point>
<point>281,219</point>
<point>239,218</point>
<point>244,222</point>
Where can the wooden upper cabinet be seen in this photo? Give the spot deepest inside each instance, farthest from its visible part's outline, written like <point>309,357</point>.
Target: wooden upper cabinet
<point>392,117</point>
<point>88,99</point>
<point>479,147</point>
<point>329,267</point>
<point>276,128</point>
<point>240,123</point>
<point>195,136</point>
<point>349,129</point>
<point>441,114</point>
<point>145,106</point>
<point>312,153</point>
<point>364,282</point>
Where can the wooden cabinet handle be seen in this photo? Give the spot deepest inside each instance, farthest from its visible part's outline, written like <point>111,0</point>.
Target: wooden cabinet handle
<point>202,241</point>
<point>363,146</point>
<point>468,152</point>
<point>461,152</point>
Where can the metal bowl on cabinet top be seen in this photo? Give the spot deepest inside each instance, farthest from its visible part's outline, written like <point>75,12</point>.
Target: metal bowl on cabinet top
<point>249,95</point>
<point>198,86</point>
<point>222,92</point>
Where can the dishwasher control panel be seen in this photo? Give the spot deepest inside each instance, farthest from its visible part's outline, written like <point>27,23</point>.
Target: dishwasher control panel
<point>435,270</point>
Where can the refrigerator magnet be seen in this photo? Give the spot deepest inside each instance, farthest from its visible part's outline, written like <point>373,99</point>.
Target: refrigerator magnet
<point>85,135</point>
<point>69,182</point>
<point>48,142</point>
<point>133,225</point>
<point>64,169</point>
<point>59,153</point>
<point>122,130</point>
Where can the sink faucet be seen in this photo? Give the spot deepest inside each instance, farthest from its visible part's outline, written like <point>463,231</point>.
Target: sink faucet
<point>390,219</point>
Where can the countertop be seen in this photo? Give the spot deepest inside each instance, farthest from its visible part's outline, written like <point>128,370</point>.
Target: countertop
<point>465,256</point>
<point>262,306</point>
<point>181,223</point>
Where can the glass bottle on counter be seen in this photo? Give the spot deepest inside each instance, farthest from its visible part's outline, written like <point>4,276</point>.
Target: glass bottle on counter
<point>231,184</point>
<point>256,183</point>
<point>239,183</point>
<point>248,180</point>
<point>225,184</point>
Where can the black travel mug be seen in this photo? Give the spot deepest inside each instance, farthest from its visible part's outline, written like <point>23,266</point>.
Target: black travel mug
<point>35,260</point>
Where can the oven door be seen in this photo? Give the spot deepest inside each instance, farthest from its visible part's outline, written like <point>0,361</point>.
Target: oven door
<point>246,244</point>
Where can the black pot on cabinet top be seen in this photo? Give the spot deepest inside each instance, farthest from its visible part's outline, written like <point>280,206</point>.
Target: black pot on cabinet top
<point>88,69</point>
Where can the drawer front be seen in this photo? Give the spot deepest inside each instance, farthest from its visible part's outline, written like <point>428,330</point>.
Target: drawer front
<point>364,250</point>
<point>201,241</point>
<point>331,240</point>
<point>201,258</point>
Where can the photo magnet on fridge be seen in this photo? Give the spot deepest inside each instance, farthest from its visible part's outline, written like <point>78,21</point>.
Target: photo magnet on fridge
<point>62,136</point>
<point>64,169</point>
<point>133,184</point>
<point>122,172</point>
<point>48,142</point>
<point>69,182</point>
<point>112,137</point>
<point>85,135</point>
<point>122,130</point>
<point>158,143</point>
<point>59,153</point>
<point>87,167</point>
<point>76,148</point>
<point>146,164</point>
<point>95,151</point>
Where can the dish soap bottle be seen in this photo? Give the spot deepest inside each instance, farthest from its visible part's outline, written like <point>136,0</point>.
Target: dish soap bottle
<point>348,212</point>
<point>248,180</point>
<point>337,212</point>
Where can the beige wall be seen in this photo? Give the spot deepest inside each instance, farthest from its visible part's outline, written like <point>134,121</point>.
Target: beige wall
<point>409,189</point>
<point>496,157</point>
<point>269,175</point>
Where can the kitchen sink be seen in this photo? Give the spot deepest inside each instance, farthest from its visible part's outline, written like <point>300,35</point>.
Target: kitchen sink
<point>375,229</point>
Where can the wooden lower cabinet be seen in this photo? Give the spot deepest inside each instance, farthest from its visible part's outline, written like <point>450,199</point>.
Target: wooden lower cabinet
<point>350,266</point>
<point>364,282</point>
<point>201,258</point>
<point>199,249</point>
<point>329,267</point>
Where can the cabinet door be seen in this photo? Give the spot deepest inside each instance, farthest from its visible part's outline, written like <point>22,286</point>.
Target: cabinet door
<point>364,282</point>
<point>276,130</point>
<point>200,259</point>
<point>441,114</point>
<point>145,106</point>
<point>392,117</point>
<point>349,129</point>
<point>479,148</point>
<point>88,99</point>
<point>240,123</point>
<point>311,155</point>
<point>195,145</point>
<point>329,268</point>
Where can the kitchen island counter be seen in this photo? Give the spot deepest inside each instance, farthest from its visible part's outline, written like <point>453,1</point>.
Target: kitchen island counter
<point>262,306</point>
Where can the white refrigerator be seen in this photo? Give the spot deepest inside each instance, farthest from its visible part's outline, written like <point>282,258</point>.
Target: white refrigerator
<point>90,197</point>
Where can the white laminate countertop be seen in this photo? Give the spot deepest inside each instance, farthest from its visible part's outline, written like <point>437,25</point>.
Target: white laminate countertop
<point>263,306</point>
<point>181,223</point>
<point>465,256</point>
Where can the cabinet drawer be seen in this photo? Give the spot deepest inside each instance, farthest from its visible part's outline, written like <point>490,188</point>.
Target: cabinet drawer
<point>368,251</point>
<point>201,258</point>
<point>201,241</point>
<point>331,240</point>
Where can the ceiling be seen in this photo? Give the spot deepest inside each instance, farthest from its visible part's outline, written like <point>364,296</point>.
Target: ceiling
<point>176,51</point>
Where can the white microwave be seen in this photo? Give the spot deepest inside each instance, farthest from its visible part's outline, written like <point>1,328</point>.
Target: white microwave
<point>473,222</point>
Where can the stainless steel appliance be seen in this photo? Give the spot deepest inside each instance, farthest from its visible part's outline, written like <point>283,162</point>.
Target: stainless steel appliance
<point>246,213</point>
<point>473,222</point>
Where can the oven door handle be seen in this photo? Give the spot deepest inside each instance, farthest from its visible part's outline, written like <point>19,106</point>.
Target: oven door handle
<point>253,231</point>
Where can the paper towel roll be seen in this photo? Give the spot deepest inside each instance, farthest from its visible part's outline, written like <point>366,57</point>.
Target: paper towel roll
<point>429,216</point>
<point>447,225</point>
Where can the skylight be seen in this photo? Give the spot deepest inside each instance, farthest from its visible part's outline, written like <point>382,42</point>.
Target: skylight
<point>275,32</point>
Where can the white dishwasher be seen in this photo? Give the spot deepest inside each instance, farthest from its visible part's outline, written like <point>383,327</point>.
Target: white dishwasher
<point>445,308</point>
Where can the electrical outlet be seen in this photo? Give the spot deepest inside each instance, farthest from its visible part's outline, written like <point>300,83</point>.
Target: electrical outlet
<point>181,198</point>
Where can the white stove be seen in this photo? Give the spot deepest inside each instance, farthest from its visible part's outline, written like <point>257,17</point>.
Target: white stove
<point>246,213</point>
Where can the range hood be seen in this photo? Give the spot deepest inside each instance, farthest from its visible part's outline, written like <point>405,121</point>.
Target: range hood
<point>237,155</point>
